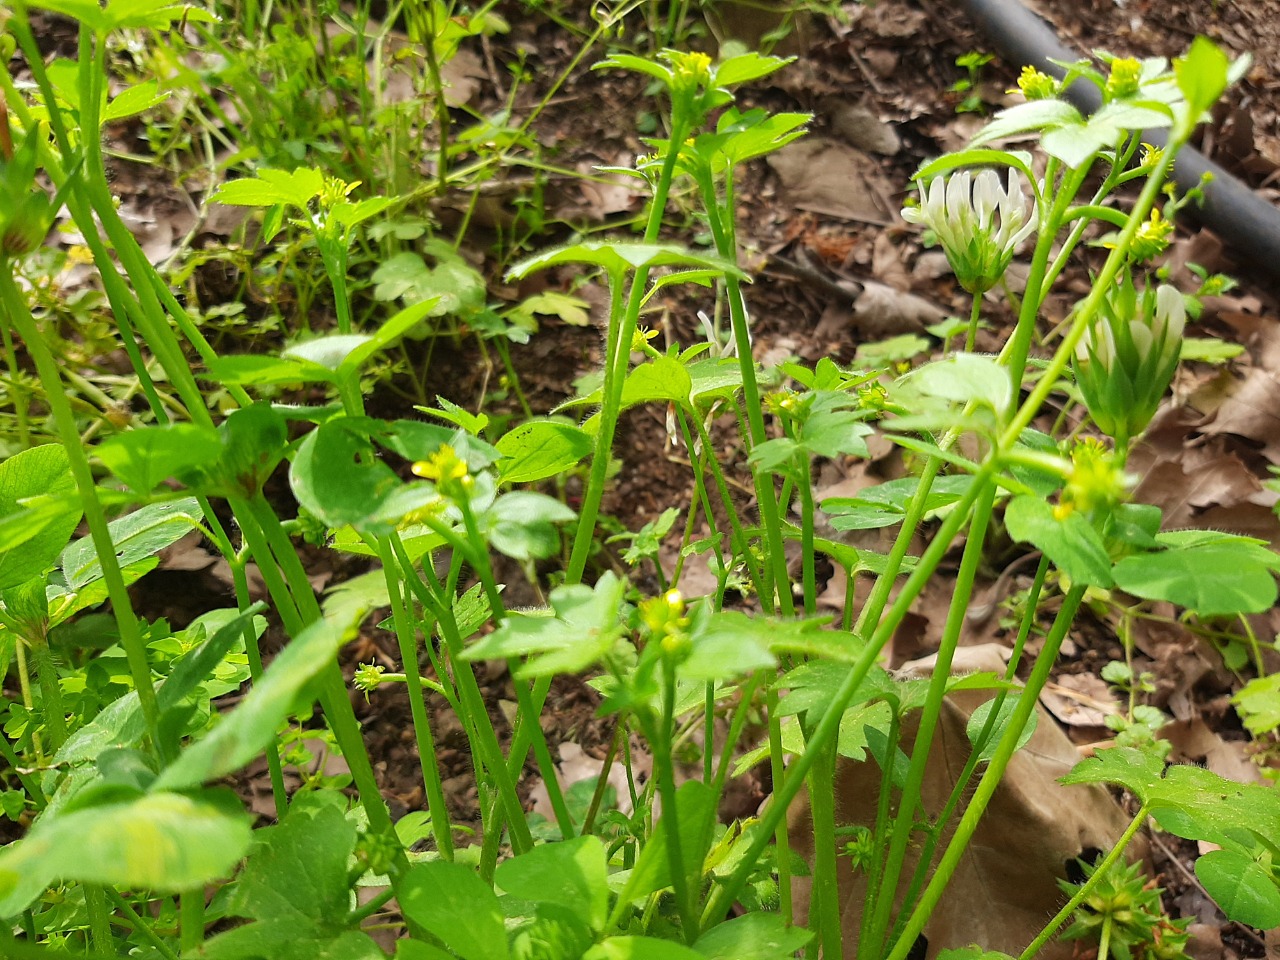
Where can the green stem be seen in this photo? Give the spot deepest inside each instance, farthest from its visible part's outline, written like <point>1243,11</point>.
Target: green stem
<point>912,798</point>
<point>530,715</point>
<point>407,641</point>
<point>126,620</point>
<point>95,901</point>
<point>828,726</point>
<point>660,742</point>
<point>781,837</point>
<point>191,922</point>
<point>961,787</point>
<point>766,496</point>
<point>298,608</point>
<point>32,786</point>
<point>991,778</point>
<point>17,392</point>
<point>975,313</point>
<point>475,715</point>
<point>737,538</point>
<point>55,711</point>
<point>826,887</point>
<point>622,327</point>
<point>140,926</point>
<point>1086,888</point>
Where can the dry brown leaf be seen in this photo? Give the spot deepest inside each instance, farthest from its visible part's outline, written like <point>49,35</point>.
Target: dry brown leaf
<point>1080,700</point>
<point>861,127</point>
<point>832,179</point>
<point>881,311</point>
<point>1194,741</point>
<point>1252,411</point>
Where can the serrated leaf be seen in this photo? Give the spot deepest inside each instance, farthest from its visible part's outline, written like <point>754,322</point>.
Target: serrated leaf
<point>538,449</point>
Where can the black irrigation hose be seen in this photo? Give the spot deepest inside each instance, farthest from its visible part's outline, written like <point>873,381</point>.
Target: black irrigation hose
<point>1239,216</point>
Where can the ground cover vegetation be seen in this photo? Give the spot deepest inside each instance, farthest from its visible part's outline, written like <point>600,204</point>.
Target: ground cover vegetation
<point>258,425</point>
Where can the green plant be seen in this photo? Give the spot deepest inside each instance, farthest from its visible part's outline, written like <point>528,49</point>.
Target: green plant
<point>1122,912</point>
<point>972,62</point>
<point>127,822</point>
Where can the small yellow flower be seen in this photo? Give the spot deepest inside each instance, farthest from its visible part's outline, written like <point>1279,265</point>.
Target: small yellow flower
<point>447,470</point>
<point>1126,72</point>
<point>1036,85</point>
<point>665,619</point>
<point>640,341</point>
<point>1152,238</point>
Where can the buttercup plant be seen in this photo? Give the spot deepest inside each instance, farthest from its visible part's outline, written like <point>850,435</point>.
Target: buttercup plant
<point>127,811</point>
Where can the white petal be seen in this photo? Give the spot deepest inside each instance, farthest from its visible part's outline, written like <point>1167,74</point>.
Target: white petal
<point>1142,338</point>
<point>959,198</point>
<point>987,197</point>
<point>1171,312</point>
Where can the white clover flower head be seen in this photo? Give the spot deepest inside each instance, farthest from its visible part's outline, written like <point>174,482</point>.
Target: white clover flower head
<point>979,221</point>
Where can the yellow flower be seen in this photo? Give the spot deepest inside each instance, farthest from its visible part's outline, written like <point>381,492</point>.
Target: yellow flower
<point>1126,72</point>
<point>1036,85</point>
<point>447,470</point>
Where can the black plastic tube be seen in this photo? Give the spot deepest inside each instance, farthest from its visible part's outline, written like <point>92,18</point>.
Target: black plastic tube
<point>1247,222</point>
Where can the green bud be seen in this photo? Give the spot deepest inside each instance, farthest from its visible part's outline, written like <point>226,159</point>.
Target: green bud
<point>1127,357</point>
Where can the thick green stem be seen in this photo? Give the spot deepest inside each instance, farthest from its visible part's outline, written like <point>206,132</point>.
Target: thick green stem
<point>781,838</point>
<point>95,901</point>
<point>660,741</point>
<point>191,922</point>
<point>824,913</point>
<point>54,710</point>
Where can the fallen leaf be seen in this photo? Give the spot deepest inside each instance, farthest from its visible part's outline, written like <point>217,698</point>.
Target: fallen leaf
<point>1195,742</point>
<point>831,179</point>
